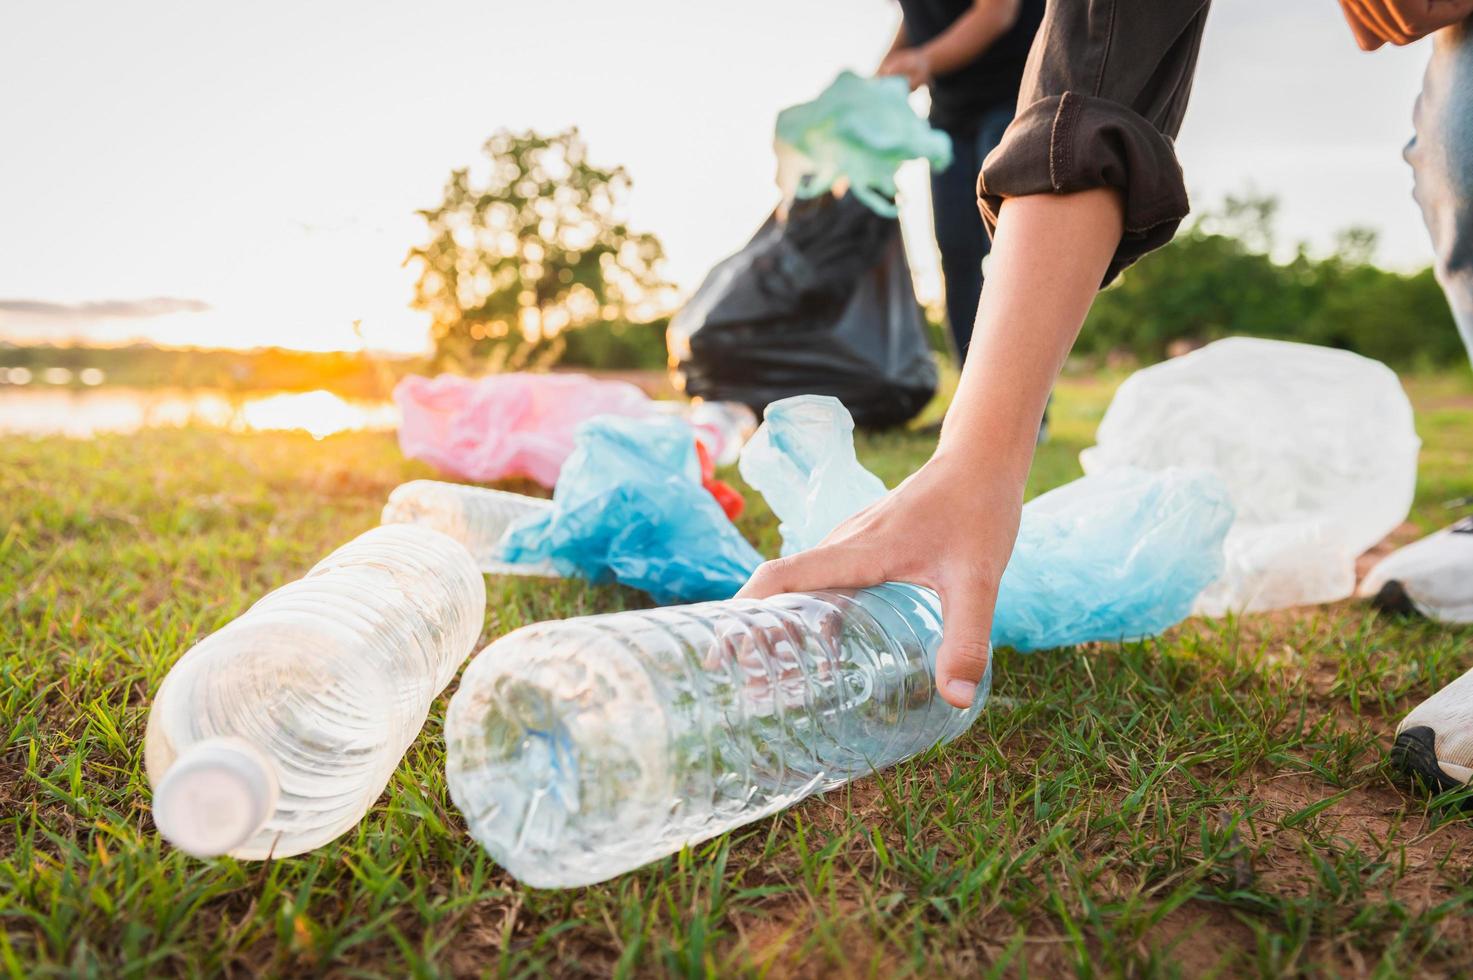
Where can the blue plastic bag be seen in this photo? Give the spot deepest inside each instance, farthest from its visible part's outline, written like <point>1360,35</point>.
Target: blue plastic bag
<point>1111,557</point>
<point>861,129</point>
<point>629,506</point>
<point>1117,556</point>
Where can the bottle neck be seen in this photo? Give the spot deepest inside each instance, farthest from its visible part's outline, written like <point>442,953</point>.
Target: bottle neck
<point>218,794</point>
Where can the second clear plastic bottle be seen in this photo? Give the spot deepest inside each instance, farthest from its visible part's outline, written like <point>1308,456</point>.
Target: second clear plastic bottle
<point>585,748</point>
<point>276,733</point>
<point>477,517</point>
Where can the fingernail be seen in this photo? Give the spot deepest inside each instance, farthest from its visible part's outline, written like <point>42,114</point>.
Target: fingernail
<point>961,690</point>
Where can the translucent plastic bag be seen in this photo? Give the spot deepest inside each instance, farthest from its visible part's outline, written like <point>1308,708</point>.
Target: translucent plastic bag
<point>1112,557</point>
<point>1118,556</point>
<point>505,425</point>
<point>861,129</point>
<point>1316,446</point>
<point>629,506</point>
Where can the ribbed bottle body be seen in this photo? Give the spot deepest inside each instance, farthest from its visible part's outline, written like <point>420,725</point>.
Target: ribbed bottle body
<point>477,517</point>
<point>328,678</point>
<point>585,748</point>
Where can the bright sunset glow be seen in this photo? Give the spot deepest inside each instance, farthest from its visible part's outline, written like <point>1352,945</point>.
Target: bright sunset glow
<point>260,165</point>
<point>320,413</point>
<point>82,413</point>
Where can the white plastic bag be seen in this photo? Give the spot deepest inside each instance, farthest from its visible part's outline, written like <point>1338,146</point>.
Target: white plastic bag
<point>1316,446</point>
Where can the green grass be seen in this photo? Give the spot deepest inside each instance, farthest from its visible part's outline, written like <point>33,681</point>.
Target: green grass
<point>1216,799</point>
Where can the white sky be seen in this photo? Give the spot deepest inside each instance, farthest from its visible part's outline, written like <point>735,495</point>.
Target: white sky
<point>267,158</point>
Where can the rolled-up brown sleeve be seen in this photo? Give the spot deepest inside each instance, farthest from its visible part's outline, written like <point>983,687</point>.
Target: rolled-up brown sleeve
<point>1102,101</point>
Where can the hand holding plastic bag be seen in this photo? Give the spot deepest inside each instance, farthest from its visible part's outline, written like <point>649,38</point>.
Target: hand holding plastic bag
<point>861,129</point>
<point>629,506</point>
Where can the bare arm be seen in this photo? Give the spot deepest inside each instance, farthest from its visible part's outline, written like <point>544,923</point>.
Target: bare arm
<point>968,36</point>
<point>971,34</point>
<point>1085,181</point>
<point>1049,256</point>
<point>951,526</point>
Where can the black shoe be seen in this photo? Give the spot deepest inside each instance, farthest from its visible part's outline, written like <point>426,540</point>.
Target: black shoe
<point>1435,742</point>
<point>1433,576</point>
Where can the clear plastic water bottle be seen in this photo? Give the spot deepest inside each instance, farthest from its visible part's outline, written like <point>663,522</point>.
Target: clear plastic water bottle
<point>585,748</point>
<point>276,733</point>
<point>477,517</point>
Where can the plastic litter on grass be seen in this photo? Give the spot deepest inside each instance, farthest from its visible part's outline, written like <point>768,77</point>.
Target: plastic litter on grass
<point>1103,558</point>
<point>802,461</point>
<point>630,507</point>
<point>505,425</point>
<point>1316,446</point>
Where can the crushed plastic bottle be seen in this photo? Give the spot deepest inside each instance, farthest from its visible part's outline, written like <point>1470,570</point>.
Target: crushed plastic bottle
<point>477,517</point>
<point>276,733</point>
<point>582,749</point>
<point>802,461</point>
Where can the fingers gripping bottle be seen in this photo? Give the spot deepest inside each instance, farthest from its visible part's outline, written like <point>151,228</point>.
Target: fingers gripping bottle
<point>477,517</point>
<point>275,734</point>
<point>585,748</point>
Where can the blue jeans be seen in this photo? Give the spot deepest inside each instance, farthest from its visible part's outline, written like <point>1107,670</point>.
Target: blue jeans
<point>1441,155</point>
<point>960,235</point>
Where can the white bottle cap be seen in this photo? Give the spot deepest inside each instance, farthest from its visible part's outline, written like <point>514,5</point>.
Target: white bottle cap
<point>215,797</point>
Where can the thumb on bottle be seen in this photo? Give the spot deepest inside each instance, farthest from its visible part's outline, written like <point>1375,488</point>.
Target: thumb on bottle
<point>966,614</point>
<point>824,567</point>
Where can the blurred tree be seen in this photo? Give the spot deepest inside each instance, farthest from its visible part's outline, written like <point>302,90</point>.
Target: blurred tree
<point>531,247</point>
<point>618,346</point>
<point>1219,278</point>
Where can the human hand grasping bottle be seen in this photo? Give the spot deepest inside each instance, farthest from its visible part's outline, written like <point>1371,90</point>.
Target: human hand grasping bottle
<point>951,525</point>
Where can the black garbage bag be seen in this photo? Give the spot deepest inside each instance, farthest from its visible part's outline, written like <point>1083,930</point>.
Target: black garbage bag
<point>821,303</point>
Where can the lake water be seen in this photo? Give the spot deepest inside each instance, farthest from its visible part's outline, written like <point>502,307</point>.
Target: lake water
<point>53,410</point>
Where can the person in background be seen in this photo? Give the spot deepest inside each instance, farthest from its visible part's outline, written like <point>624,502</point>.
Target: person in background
<point>1084,182</point>
<point>1435,741</point>
<point>970,54</point>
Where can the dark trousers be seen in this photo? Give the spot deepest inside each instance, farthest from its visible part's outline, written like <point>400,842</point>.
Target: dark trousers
<point>960,235</point>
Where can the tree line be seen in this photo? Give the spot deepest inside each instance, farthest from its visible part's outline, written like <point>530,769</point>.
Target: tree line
<point>1219,277</point>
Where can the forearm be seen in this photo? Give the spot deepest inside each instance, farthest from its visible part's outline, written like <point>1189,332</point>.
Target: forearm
<point>1049,254</point>
<point>971,34</point>
<point>900,43</point>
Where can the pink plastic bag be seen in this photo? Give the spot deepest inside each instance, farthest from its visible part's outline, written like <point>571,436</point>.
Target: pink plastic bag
<point>505,425</point>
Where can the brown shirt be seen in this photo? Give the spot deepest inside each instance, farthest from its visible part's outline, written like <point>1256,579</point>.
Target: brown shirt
<point>1103,96</point>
